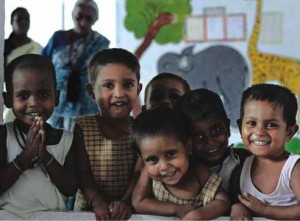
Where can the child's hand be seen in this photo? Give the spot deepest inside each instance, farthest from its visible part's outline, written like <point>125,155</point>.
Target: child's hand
<point>32,143</point>
<point>42,151</point>
<point>183,209</point>
<point>239,212</point>
<point>252,203</point>
<point>101,210</point>
<point>120,210</point>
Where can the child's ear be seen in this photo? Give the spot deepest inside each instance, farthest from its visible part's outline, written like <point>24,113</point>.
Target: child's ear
<point>90,91</point>
<point>57,93</point>
<point>228,126</point>
<point>140,87</point>
<point>239,123</point>
<point>291,130</point>
<point>7,99</point>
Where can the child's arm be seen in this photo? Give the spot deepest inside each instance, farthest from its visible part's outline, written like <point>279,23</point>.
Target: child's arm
<point>86,180</point>
<point>121,210</point>
<point>10,172</point>
<point>143,202</point>
<point>218,207</point>
<point>277,212</point>
<point>63,176</point>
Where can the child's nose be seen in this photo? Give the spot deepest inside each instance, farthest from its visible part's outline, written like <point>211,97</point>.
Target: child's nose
<point>118,92</point>
<point>260,131</point>
<point>163,165</point>
<point>32,101</point>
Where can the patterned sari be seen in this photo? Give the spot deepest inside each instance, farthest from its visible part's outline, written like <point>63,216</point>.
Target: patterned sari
<point>67,59</point>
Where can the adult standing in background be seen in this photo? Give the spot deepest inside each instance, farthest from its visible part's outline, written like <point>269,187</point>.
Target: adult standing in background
<point>70,51</point>
<point>17,44</point>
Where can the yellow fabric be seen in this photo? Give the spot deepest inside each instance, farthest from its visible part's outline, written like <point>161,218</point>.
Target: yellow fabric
<point>205,196</point>
<point>112,161</point>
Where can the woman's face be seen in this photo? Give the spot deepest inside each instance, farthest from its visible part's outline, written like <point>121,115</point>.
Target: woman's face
<point>20,22</point>
<point>84,17</point>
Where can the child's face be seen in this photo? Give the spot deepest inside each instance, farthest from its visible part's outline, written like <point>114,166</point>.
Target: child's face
<point>210,138</point>
<point>264,130</point>
<point>116,90</point>
<point>164,92</point>
<point>33,94</point>
<point>165,158</point>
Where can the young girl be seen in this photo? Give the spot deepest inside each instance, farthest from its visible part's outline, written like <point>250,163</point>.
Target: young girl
<point>164,90</point>
<point>270,179</point>
<point>114,76</point>
<point>209,127</point>
<point>171,184</point>
<point>37,169</point>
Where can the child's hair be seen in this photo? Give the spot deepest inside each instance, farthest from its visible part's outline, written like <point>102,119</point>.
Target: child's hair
<point>28,61</point>
<point>279,95</point>
<point>199,104</point>
<point>159,121</point>
<point>113,55</point>
<point>165,75</point>
<point>16,11</point>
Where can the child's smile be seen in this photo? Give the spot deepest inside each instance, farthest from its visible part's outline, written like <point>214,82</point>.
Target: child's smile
<point>166,158</point>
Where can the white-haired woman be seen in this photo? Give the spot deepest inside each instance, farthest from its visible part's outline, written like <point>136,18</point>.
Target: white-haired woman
<point>70,51</point>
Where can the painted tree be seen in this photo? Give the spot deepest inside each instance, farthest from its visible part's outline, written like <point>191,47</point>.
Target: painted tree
<point>159,20</point>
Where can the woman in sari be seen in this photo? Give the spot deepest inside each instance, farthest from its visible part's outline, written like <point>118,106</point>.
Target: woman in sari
<point>70,51</point>
<point>17,44</point>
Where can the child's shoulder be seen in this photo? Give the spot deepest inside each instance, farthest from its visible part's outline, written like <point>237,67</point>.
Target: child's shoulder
<point>242,153</point>
<point>87,119</point>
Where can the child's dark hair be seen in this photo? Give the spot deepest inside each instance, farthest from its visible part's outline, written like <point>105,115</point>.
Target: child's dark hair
<point>113,55</point>
<point>199,104</point>
<point>159,121</point>
<point>277,94</point>
<point>16,11</point>
<point>165,75</point>
<point>27,61</point>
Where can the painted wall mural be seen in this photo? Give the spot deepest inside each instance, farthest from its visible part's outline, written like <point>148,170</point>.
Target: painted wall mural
<point>162,21</point>
<point>218,68</point>
<point>185,37</point>
<point>269,67</point>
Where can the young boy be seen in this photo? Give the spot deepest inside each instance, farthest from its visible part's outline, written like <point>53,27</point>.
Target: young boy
<point>114,84</point>
<point>37,167</point>
<point>270,179</point>
<point>210,130</point>
<point>171,183</point>
<point>164,90</point>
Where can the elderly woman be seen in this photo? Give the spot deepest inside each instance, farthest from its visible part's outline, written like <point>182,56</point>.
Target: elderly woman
<point>70,51</point>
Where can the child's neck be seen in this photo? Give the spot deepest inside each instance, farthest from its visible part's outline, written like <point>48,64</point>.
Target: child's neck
<point>115,128</point>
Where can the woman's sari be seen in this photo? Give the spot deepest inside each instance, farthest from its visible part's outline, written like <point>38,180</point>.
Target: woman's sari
<point>71,59</point>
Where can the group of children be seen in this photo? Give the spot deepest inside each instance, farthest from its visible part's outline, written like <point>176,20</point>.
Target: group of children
<point>174,159</point>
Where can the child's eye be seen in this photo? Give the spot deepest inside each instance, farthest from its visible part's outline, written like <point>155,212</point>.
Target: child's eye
<point>129,85</point>
<point>198,139</point>
<point>216,131</point>
<point>174,96</point>
<point>23,96</point>
<point>171,153</point>
<point>151,160</point>
<point>108,85</point>
<point>156,96</point>
<point>272,125</point>
<point>43,95</point>
<point>251,123</point>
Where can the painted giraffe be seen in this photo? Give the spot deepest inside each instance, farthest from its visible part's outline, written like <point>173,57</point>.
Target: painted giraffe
<point>268,67</point>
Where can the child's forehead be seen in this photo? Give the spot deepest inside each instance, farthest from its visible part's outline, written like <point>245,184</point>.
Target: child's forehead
<point>115,71</point>
<point>37,72</point>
